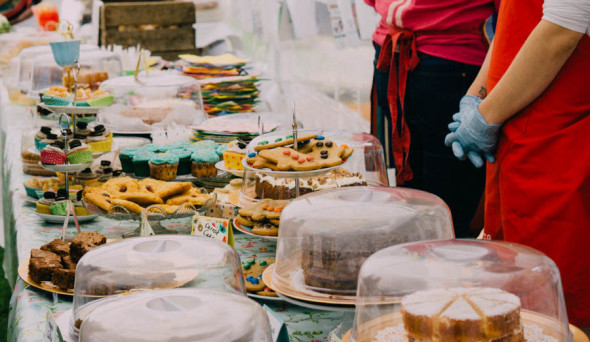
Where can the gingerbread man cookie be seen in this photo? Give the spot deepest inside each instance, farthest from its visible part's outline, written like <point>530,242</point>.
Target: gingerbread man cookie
<point>288,159</point>
<point>266,209</point>
<point>265,145</point>
<point>253,274</point>
<point>327,152</point>
<point>258,162</point>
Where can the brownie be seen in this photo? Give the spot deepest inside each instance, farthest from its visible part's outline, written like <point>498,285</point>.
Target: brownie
<point>84,242</point>
<point>58,247</point>
<point>63,278</point>
<point>68,263</point>
<point>42,264</point>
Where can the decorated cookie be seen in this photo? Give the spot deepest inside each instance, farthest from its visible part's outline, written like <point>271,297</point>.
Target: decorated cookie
<point>347,151</point>
<point>266,145</point>
<point>193,196</point>
<point>121,185</point>
<point>327,152</point>
<point>266,209</point>
<point>288,159</point>
<point>253,274</point>
<point>101,199</point>
<point>244,221</point>
<point>258,162</point>
<point>265,229</point>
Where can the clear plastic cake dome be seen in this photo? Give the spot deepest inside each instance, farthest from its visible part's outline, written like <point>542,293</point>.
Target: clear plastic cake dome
<point>178,315</point>
<point>155,262</point>
<point>25,62</point>
<point>95,68</point>
<point>366,166</point>
<point>325,237</point>
<point>460,290</point>
<point>157,98</point>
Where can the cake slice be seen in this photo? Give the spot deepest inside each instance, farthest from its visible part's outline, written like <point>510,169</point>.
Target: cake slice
<point>42,264</point>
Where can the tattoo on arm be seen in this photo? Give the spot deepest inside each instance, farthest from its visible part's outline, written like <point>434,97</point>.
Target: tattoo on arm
<point>483,92</point>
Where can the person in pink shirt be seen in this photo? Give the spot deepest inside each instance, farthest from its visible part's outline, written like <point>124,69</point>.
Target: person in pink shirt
<point>427,53</point>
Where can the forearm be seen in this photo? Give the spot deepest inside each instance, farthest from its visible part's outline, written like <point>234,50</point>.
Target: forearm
<point>533,69</point>
<point>479,86</point>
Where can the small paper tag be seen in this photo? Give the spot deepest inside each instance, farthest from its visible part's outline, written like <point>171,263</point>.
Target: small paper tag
<point>278,328</point>
<point>213,227</point>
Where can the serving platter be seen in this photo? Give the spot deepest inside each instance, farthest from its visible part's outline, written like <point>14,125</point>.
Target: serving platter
<point>248,231</point>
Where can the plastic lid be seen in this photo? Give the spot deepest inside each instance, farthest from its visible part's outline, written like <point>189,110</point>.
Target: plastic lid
<point>178,315</point>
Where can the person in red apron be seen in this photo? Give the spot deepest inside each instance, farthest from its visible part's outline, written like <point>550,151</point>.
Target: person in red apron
<point>538,113</point>
<point>428,52</point>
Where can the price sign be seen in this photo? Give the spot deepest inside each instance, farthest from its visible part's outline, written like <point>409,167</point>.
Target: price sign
<point>213,227</point>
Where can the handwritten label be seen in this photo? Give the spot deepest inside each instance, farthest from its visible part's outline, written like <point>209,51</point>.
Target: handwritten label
<point>213,227</point>
<point>278,328</point>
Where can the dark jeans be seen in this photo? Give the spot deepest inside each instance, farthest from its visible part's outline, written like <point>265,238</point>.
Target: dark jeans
<point>433,92</point>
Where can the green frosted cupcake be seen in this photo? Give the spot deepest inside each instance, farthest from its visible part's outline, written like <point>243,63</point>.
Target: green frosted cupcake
<point>164,167</point>
<point>126,158</point>
<point>79,153</point>
<point>141,166</point>
<point>184,164</point>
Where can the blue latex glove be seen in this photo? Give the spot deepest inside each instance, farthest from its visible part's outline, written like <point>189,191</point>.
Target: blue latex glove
<point>473,138</point>
<point>468,102</point>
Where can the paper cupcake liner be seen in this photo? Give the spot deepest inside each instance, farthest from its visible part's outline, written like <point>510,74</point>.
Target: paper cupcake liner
<point>80,157</point>
<point>163,171</point>
<point>103,101</point>
<point>31,191</point>
<point>52,157</point>
<point>233,160</point>
<point>55,101</point>
<point>39,145</point>
<point>81,211</point>
<point>203,170</point>
<point>43,209</point>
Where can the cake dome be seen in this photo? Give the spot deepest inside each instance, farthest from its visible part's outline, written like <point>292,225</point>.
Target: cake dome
<point>155,262</point>
<point>325,237</point>
<point>460,290</point>
<point>365,166</point>
<point>159,98</point>
<point>178,315</point>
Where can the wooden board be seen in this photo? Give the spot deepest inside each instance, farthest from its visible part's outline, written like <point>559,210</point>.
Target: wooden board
<point>161,13</point>
<point>164,39</point>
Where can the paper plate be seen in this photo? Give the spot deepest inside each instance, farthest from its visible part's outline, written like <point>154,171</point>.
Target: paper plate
<point>23,272</point>
<point>61,219</point>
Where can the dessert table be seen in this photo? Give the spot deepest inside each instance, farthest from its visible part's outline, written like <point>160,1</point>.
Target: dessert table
<point>34,312</point>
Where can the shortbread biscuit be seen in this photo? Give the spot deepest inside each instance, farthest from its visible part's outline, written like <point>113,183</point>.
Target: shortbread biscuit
<point>132,207</point>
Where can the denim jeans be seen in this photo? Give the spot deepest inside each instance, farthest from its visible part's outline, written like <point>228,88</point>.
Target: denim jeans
<point>433,91</point>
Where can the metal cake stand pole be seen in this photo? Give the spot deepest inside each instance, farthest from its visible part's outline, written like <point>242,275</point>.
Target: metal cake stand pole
<point>66,147</point>
<point>295,145</point>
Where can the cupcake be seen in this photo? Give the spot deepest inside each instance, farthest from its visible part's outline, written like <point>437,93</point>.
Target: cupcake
<point>180,145</point>
<point>44,203</point>
<point>98,142</point>
<point>79,153</point>
<point>184,164</point>
<point>220,148</point>
<point>79,206</point>
<point>118,173</point>
<point>82,129</point>
<point>141,166</point>
<point>86,175</point>
<point>203,163</point>
<point>104,164</point>
<point>105,131</point>
<point>54,154</point>
<point>40,136</point>
<point>164,166</point>
<point>50,138</point>
<point>106,175</point>
<point>149,148</point>
<point>126,158</point>
<point>59,207</point>
<point>233,155</point>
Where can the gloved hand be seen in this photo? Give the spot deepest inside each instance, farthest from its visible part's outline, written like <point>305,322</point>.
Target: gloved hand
<point>474,136</point>
<point>468,102</point>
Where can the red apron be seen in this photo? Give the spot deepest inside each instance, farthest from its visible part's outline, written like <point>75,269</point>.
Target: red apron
<point>538,191</point>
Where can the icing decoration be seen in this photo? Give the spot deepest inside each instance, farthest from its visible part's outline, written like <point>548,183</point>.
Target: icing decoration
<point>286,152</point>
<point>320,137</point>
<point>309,158</point>
<point>278,139</point>
<point>252,154</point>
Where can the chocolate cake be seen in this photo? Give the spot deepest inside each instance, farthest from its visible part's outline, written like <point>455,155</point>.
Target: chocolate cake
<point>84,242</point>
<point>460,314</point>
<point>63,278</point>
<point>284,188</point>
<point>68,263</point>
<point>42,264</point>
<point>58,247</point>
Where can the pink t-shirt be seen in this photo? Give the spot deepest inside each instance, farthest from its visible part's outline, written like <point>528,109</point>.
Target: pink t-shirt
<point>465,16</point>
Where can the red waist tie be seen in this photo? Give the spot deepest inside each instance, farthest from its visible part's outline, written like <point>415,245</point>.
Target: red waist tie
<point>405,42</point>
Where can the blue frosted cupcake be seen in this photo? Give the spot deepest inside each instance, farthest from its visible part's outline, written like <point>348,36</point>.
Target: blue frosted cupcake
<point>141,166</point>
<point>203,163</point>
<point>126,158</point>
<point>164,167</point>
<point>184,164</point>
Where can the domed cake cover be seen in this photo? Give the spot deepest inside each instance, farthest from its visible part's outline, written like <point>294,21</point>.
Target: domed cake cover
<point>325,237</point>
<point>156,262</point>
<point>460,290</point>
<point>178,315</point>
<point>366,166</point>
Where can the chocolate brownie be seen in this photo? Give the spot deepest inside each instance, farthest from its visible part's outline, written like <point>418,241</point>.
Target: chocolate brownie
<point>68,263</point>
<point>42,264</point>
<point>58,247</point>
<point>63,278</point>
<point>84,242</point>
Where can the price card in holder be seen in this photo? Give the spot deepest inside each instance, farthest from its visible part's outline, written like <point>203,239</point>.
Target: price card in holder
<point>213,227</point>
<point>278,328</point>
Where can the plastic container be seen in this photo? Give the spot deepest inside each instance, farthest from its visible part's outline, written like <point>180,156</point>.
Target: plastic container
<point>325,237</point>
<point>155,262</point>
<point>366,166</point>
<point>156,99</point>
<point>178,315</point>
<point>460,290</point>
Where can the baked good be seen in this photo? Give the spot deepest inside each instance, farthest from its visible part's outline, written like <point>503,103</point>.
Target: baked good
<point>54,154</point>
<point>86,175</point>
<point>60,206</point>
<point>67,262</point>
<point>126,157</point>
<point>31,165</point>
<point>63,278</point>
<point>203,163</point>
<point>84,242</point>
<point>265,229</point>
<point>100,139</point>
<point>279,142</point>
<point>252,271</point>
<point>79,153</point>
<point>284,188</point>
<point>42,264</point>
<point>164,166</point>
<point>42,135</point>
<point>184,160</point>
<point>82,129</point>
<point>43,205</point>
<point>58,247</point>
<point>141,166</point>
<point>165,189</point>
<point>263,217</point>
<point>234,154</point>
<point>86,79</point>
<point>192,196</point>
<point>462,314</point>
<point>131,206</point>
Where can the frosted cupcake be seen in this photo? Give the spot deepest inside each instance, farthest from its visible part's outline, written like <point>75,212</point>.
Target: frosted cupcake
<point>59,207</point>
<point>86,175</point>
<point>126,158</point>
<point>164,167</point>
<point>233,155</point>
<point>79,153</point>
<point>54,154</point>
<point>100,139</point>
<point>141,166</point>
<point>184,157</point>
<point>79,206</point>
<point>203,163</point>
<point>45,202</point>
<point>82,129</point>
<point>50,138</point>
<point>40,136</point>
